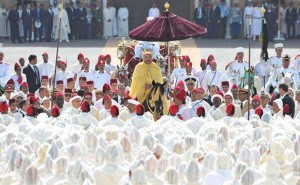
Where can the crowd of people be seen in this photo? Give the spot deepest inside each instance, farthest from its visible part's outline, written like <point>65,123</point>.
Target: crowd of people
<point>215,16</point>
<point>78,124</point>
<point>34,22</point>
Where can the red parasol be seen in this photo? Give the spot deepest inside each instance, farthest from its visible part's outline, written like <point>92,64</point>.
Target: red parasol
<point>167,27</point>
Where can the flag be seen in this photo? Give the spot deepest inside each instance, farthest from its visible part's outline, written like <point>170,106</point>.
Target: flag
<point>264,37</point>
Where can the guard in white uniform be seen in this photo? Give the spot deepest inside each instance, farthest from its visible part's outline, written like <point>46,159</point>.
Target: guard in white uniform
<point>213,76</point>
<point>109,67</point>
<point>77,67</point>
<point>4,69</point>
<point>85,72</point>
<point>184,112</point>
<point>46,68</point>
<point>101,77</point>
<point>275,62</point>
<point>63,75</point>
<point>237,68</point>
<point>201,73</point>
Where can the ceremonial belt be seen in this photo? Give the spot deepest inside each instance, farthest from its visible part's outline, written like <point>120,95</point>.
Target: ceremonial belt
<point>213,78</point>
<point>196,104</point>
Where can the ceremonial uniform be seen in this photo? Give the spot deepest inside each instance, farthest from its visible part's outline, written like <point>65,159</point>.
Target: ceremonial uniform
<point>4,73</point>
<point>18,80</point>
<point>236,71</point>
<point>64,76</point>
<point>110,68</point>
<point>46,69</point>
<point>76,68</point>
<point>194,106</point>
<point>273,64</point>
<point>261,72</point>
<point>176,73</point>
<point>101,78</point>
<point>184,112</point>
<point>212,78</point>
<point>278,74</point>
<point>201,76</point>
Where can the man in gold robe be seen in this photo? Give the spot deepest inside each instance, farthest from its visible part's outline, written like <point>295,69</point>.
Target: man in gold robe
<point>143,75</point>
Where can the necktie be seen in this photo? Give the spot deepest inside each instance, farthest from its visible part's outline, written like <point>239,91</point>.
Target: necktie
<point>241,106</point>
<point>122,100</point>
<point>20,79</point>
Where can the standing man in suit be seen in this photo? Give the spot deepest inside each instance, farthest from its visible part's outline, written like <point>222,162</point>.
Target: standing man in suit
<point>290,19</point>
<point>71,15</point>
<point>48,23</point>
<point>13,18</point>
<point>121,94</point>
<point>214,20</point>
<point>288,102</point>
<point>38,14</point>
<point>200,15</point>
<point>32,74</point>
<point>223,21</point>
<point>27,17</point>
<point>80,17</point>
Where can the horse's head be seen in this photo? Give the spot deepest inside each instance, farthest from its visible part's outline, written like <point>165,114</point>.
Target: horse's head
<point>288,79</point>
<point>155,99</point>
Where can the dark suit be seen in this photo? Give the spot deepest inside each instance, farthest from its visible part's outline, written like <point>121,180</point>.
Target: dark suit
<point>33,78</point>
<point>288,100</point>
<point>48,25</point>
<point>200,16</point>
<point>80,18</point>
<point>290,19</point>
<point>13,17</point>
<point>214,19</point>
<point>71,16</point>
<point>117,100</point>
<point>27,21</point>
<point>38,15</point>
<point>208,100</point>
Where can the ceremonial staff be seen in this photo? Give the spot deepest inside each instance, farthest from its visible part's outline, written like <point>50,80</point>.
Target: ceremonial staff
<point>249,66</point>
<point>58,39</point>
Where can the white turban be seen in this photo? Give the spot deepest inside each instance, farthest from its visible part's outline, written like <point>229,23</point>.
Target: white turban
<point>240,50</point>
<point>279,103</point>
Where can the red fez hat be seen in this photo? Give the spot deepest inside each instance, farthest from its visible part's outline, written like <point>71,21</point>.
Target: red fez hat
<point>45,53</point>
<point>83,78</point>
<point>234,86</point>
<point>8,88</point>
<point>17,65</point>
<point>201,89</point>
<point>186,58</point>
<point>286,110</point>
<point>100,62</point>
<point>44,77</point>
<point>86,61</point>
<point>70,80</point>
<point>3,107</point>
<point>101,57</point>
<point>180,82</point>
<point>188,63</point>
<point>68,90</point>
<point>85,106</point>
<point>32,99</point>
<point>59,82</point>
<point>113,80</point>
<point>256,97</point>
<point>220,93</point>
<point>10,82</point>
<point>105,88</point>
<point>55,111</point>
<point>90,82</point>
<point>63,63</point>
<point>195,91</point>
<point>140,109</point>
<point>173,109</point>
<point>59,94</point>
<point>107,56</point>
<point>106,97</point>
<point>225,83</point>
<point>203,60</point>
<point>230,109</point>
<point>80,55</point>
<point>24,84</point>
<point>211,56</point>
<point>114,110</point>
<point>30,95</point>
<point>259,111</point>
<point>11,101</point>
<point>87,94</point>
<point>181,95</point>
<point>200,111</point>
<point>30,110</point>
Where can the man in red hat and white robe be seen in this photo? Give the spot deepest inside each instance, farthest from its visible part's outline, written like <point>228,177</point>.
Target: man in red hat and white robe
<point>85,72</point>
<point>84,118</point>
<point>74,108</point>
<point>184,112</point>
<point>228,99</point>
<point>18,77</point>
<point>45,68</point>
<point>88,97</point>
<point>64,74</point>
<point>105,112</point>
<point>213,76</point>
<point>4,113</point>
<point>140,121</point>
<point>78,66</point>
<point>113,119</point>
<point>201,73</point>
<point>109,67</point>
<point>101,77</point>
<point>45,81</point>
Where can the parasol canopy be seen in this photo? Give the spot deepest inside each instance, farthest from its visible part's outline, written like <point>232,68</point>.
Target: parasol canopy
<point>167,27</point>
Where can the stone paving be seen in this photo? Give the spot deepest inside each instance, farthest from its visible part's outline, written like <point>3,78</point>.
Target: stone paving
<point>224,50</point>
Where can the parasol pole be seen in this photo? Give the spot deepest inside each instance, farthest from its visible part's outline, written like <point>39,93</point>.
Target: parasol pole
<point>249,66</point>
<point>169,70</point>
<point>58,39</point>
<point>278,30</point>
